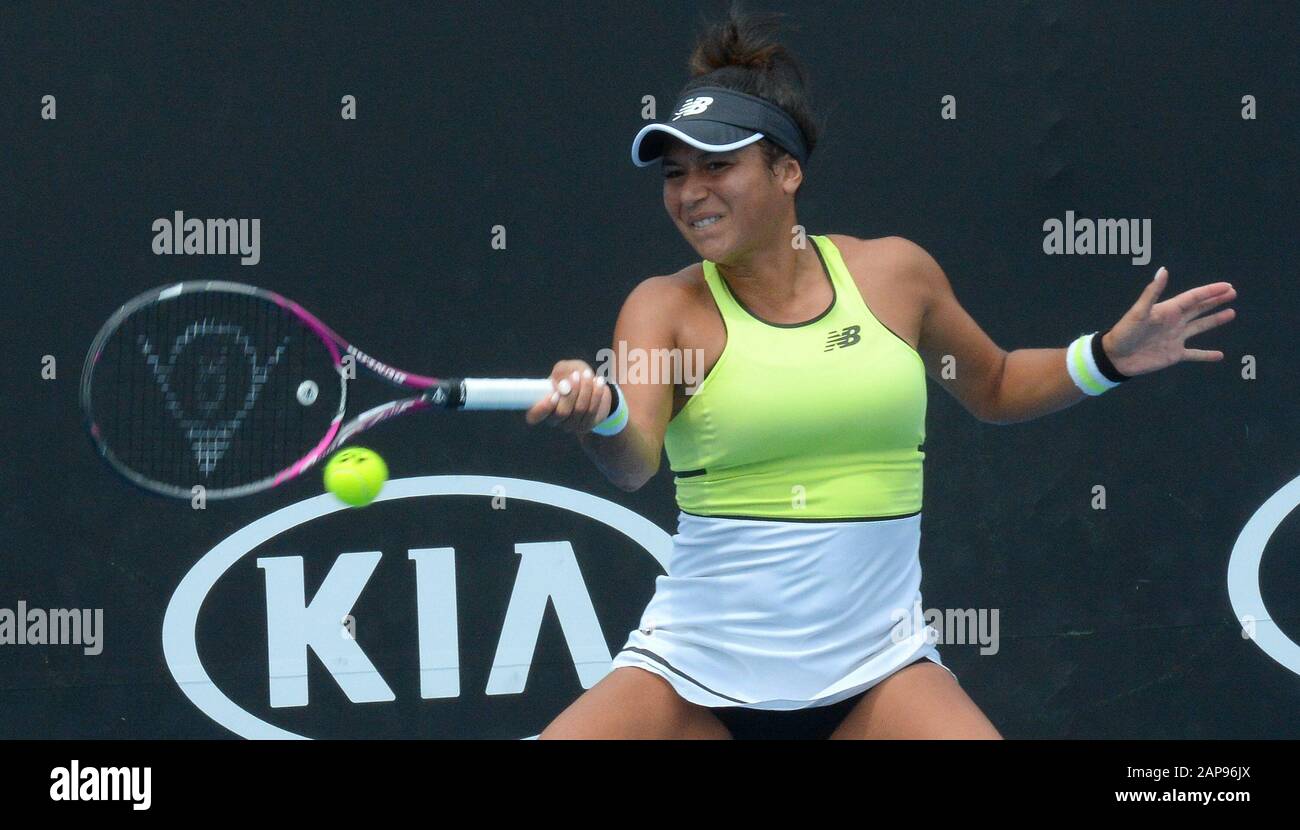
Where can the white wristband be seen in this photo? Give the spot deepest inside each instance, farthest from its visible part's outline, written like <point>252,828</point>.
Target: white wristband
<point>1083,367</point>
<point>617,419</point>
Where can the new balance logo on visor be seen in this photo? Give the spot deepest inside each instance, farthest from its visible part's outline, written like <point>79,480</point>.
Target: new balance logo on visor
<point>692,106</point>
<point>843,338</point>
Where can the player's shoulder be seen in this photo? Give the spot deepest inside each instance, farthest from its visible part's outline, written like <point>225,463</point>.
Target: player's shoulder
<point>671,291</point>
<point>657,304</point>
<point>670,283</point>
<point>845,243</point>
<point>896,264</point>
<point>891,249</point>
<point>903,263</point>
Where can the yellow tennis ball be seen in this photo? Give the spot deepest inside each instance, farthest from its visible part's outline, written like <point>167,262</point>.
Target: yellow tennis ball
<point>356,475</point>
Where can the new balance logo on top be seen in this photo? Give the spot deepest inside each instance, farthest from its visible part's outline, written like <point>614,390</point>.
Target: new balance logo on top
<point>693,106</point>
<point>842,338</point>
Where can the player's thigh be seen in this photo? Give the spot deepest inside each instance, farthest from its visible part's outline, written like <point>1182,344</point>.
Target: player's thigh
<point>632,703</point>
<point>921,701</point>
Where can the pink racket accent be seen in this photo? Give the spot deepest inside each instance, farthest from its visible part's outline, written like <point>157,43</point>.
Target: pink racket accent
<point>334,341</point>
<point>323,331</point>
<point>308,459</point>
<point>467,394</point>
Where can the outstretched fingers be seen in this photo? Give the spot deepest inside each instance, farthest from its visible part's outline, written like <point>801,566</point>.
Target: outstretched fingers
<point>1209,321</point>
<point>1152,292</point>
<point>1198,300</point>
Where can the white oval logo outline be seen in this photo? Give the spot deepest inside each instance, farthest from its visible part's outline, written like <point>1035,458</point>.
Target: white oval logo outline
<point>180,623</point>
<point>1243,575</point>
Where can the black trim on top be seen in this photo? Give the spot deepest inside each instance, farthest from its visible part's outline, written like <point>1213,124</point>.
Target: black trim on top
<point>825,270</point>
<point>914,349</point>
<point>788,519</point>
<point>909,346</point>
<point>726,343</point>
<point>689,473</point>
<point>681,673</point>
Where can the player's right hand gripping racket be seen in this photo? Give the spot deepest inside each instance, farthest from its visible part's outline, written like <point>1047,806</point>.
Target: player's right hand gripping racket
<point>239,390</point>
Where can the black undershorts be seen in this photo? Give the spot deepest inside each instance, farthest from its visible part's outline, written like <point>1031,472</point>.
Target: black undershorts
<point>812,724</point>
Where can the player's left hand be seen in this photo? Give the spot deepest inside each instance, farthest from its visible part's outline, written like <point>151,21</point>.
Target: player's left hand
<point>1151,335</point>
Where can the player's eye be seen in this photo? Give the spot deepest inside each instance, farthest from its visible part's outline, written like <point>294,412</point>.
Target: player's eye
<point>713,165</point>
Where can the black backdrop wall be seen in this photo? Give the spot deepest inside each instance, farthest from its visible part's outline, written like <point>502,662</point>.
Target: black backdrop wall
<point>1113,622</point>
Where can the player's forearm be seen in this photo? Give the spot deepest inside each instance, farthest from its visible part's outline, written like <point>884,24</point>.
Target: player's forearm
<point>1033,383</point>
<point>627,459</point>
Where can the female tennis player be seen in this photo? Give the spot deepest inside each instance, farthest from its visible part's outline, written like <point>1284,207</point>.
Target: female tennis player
<point>787,611</point>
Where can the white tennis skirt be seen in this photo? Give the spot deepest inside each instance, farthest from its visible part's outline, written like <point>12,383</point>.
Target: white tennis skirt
<point>784,615</point>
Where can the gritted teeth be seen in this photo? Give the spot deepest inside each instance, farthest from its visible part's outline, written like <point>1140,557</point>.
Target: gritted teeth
<point>706,221</point>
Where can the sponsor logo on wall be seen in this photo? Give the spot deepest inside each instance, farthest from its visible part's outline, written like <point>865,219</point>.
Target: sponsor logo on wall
<point>454,606</point>
<point>1243,577</point>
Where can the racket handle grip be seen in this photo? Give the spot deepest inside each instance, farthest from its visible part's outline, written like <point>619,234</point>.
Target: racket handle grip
<point>498,393</point>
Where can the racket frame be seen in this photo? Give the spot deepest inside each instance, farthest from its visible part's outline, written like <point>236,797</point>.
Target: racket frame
<point>445,393</point>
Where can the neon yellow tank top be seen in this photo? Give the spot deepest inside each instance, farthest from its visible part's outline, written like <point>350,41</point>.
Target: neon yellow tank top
<point>816,420</point>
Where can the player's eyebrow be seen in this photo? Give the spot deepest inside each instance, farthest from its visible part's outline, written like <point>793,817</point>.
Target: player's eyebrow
<point>698,155</point>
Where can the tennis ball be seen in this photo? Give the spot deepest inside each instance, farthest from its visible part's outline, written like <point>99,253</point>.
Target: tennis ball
<point>356,475</point>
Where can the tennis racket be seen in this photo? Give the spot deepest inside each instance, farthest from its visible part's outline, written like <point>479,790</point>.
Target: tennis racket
<point>239,390</point>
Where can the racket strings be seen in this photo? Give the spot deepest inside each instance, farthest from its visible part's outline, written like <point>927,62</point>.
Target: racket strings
<point>212,388</point>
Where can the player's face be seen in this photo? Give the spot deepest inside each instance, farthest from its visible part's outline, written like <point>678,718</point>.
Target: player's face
<point>751,201</point>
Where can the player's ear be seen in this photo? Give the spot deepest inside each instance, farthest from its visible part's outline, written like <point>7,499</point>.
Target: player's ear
<point>790,173</point>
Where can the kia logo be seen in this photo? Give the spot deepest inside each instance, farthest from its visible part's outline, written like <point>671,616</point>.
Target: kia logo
<point>547,577</point>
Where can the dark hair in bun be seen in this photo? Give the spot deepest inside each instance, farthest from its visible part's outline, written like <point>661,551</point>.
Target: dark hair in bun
<point>743,53</point>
